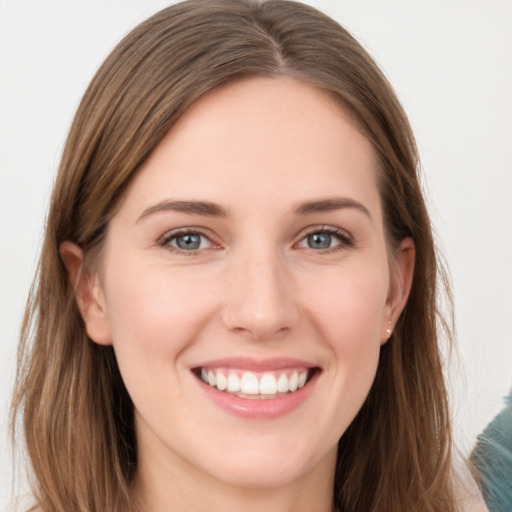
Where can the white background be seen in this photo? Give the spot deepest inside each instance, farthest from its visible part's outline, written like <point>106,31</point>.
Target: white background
<point>451,64</point>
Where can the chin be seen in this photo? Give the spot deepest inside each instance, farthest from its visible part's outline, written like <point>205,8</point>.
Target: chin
<point>269,464</point>
<point>261,474</point>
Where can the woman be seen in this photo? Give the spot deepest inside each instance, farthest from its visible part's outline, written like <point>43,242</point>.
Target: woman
<point>235,306</point>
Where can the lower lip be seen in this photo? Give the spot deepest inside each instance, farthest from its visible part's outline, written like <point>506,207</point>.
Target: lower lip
<point>259,408</point>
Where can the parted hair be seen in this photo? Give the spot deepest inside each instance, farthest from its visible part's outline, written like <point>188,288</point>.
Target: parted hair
<point>70,403</point>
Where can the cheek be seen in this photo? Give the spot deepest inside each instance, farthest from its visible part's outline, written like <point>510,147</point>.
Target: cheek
<point>155,313</point>
<point>348,314</point>
<point>349,307</point>
<point>155,316</point>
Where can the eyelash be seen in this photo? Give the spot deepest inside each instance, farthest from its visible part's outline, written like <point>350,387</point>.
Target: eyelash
<point>346,241</point>
<point>168,237</point>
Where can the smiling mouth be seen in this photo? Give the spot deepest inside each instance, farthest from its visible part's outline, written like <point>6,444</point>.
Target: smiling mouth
<point>256,385</point>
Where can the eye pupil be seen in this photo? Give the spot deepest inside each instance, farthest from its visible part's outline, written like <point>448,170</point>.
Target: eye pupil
<point>319,241</point>
<point>189,242</point>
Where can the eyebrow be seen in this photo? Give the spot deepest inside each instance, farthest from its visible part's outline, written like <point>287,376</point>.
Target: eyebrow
<point>209,209</point>
<point>205,208</point>
<point>329,204</point>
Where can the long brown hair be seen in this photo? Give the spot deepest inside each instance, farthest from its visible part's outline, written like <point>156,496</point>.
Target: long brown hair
<point>76,415</point>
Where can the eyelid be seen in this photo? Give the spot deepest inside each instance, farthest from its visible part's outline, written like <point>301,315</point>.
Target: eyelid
<point>346,239</point>
<point>189,230</point>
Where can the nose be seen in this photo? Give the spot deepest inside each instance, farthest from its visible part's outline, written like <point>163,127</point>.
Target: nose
<point>261,303</point>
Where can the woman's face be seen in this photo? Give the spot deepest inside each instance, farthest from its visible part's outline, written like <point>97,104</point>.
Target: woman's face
<point>249,252</point>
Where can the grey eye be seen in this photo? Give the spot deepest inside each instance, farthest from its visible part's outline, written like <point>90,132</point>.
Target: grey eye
<point>189,241</point>
<point>319,240</point>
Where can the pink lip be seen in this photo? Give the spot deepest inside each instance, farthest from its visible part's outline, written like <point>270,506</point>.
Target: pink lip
<point>256,365</point>
<point>258,408</point>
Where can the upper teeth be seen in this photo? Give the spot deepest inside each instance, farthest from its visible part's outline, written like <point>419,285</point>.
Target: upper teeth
<point>250,383</point>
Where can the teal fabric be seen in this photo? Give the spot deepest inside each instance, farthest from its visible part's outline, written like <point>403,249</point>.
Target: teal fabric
<point>492,458</point>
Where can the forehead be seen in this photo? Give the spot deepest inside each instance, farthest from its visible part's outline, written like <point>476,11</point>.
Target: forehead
<point>261,137</point>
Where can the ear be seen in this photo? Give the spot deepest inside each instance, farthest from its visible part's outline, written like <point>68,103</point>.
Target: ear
<point>88,293</point>
<point>400,286</point>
